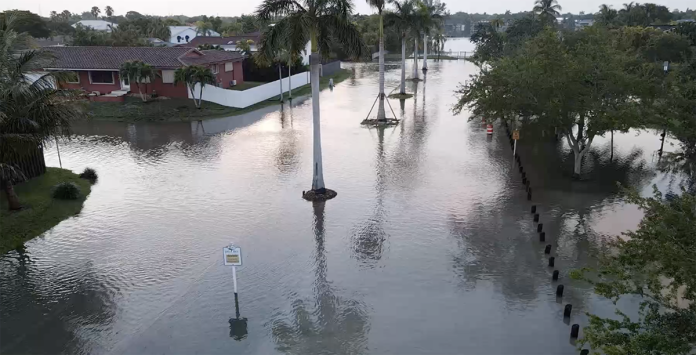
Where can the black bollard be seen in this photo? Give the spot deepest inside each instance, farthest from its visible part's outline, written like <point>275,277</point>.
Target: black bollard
<point>547,250</point>
<point>567,310</point>
<point>524,175</point>
<point>555,275</point>
<point>524,181</point>
<point>536,217</point>
<point>533,208</point>
<point>552,261</point>
<point>529,189</point>
<point>540,226</point>
<point>559,291</point>
<point>542,236</point>
<point>521,168</point>
<point>584,352</point>
<point>529,196</point>
<point>574,331</point>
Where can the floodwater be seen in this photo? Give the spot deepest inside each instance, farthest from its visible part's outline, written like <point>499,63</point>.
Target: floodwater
<point>429,247</point>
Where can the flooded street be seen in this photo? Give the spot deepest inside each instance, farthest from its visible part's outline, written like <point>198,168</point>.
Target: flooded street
<point>429,247</point>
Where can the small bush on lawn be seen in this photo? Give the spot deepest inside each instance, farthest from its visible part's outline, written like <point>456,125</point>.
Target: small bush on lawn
<point>66,191</point>
<point>89,174</point>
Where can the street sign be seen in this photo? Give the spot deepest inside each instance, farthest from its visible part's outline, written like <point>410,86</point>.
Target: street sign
<point>232,255</point>
<point>515,134</point>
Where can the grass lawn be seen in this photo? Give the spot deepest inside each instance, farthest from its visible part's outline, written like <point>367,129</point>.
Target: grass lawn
<point>247,85</point>
<point>40,211</point>
<point>178,109</point>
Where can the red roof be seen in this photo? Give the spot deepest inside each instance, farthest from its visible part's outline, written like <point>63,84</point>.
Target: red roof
<point>112,57</point>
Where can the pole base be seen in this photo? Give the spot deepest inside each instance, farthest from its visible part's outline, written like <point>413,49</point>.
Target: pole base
<point>316,195</point>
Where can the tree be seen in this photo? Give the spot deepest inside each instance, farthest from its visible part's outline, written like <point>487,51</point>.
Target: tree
<point>656,264</point>
<point>195,75</point>
<point>29,22</point>
<point>216,22</point>
<point>548,10</point>
<point>379,5</point>
<point>319,22</point>
<point>134,15</point>
<point>249,24</point>
<point>607,16</point>
<point>138,73</point>
<point>30,112</point>
<point>432,14</point>
<point>439,39</point>
<point>125,36</point>
<point>402,20</point>
<point>87,36</point>
<point>497,23</point>
<point>157,28</point>
<point>244,47</point>
<point>109,11</point>
<point>95,12</point>
<point>231,29</point>
<point>688,30</point>
<point>204,28</point>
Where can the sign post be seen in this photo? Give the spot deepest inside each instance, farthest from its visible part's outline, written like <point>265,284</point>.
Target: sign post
<point>232,256</point>
<point>515,137</point>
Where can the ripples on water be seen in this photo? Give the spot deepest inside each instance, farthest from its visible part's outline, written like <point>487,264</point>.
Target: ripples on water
<point>429,247</point>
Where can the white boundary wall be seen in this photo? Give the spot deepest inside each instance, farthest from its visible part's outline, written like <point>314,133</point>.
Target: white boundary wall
<point>242,99</point>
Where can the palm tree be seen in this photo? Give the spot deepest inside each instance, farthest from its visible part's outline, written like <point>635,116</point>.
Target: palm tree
<point>547,9</point>
<point>432,15</point>
<point>402,20</point>
<point>30,112</point>
<point>440,40</point>
<point>607,15</point>
<point>109,11</point>
<point>321,23</point>
<point>95,12</point>
<point>204,28</point>
<point>157,28</point>
<point>497,23</point>
<point>195,75</point>
<point>138,72</point>
<point>379,5</point>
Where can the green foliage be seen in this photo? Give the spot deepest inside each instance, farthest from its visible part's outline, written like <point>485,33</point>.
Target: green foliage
<point>28,22</point>
<point>66,191</point>
<point>547,10</point>
<point>244,47</point>
<point>95,11</point>
<point>656,263</point>
<point>210,47</point>
<point>89,174</point>
<point>195,75</point>
<point>138,74</point>
<point>231,29</point>
<point>688,30</point>
<point>204,28</point>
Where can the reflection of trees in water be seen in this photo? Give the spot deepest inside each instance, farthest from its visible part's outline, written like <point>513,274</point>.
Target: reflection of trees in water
<point>368,238</point>
<point>410,151</point>
<point>287,157</point>
<point>328,325</point>
<point>681,167</point>
<point>49,312</point>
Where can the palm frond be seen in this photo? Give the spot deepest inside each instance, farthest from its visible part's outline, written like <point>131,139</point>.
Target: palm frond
<point>344,31</point>
<point>270,8</point>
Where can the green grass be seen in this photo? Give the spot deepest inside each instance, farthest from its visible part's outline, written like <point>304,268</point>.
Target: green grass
<point>40,211</point>
<point>179,109</point>
<point>247,85</point>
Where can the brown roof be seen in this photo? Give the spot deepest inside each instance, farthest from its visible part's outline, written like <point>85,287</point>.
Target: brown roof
<point>113,57</point>
<point>199,40</point>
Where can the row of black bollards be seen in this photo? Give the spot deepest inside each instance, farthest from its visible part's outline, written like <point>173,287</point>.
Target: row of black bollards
<point>575,328</point>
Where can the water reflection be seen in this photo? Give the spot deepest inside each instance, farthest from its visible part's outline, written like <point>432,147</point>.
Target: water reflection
<point>330,323</point>
<point>287,157</point>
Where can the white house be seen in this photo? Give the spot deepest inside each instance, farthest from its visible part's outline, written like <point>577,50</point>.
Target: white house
<point>99,25</point>
<point>184,34</point>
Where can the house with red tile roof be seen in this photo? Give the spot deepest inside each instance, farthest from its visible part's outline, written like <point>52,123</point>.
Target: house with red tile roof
<point>97,68</point>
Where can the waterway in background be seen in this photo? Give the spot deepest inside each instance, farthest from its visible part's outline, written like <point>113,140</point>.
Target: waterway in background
<point>428,248</point>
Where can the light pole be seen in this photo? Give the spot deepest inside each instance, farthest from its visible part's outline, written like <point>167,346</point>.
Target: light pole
<point>664,130</point>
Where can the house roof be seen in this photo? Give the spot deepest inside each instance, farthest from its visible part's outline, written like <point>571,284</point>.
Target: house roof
<point>199,40</point>
<point>99,25</point>
<point>112,57</point>
<point>175,30</point>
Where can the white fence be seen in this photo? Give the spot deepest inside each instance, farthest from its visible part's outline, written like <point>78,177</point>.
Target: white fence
<point>242,99</point>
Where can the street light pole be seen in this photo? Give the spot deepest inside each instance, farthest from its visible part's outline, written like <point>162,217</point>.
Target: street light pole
<point>664,130</point>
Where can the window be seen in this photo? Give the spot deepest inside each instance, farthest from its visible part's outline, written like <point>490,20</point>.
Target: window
<point>168,76</point>
<point>73,78</point>
<point>214,68</point>
<point>101,77</point>
<point>229,66</point>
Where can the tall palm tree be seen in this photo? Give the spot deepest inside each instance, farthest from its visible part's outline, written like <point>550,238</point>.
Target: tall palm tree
<point>497,23</point>
<point>195,75</point>
<point>138,73</point>
<point>321,23</point>
<point>607,15</point>
<point>432,14</point>
<point>439,40</point>
<point>31,112</point>
<point>379,5</point>
<point>547,9</point>
<point>95,12</point>
<point>109,11</point>
<point>402,20</point>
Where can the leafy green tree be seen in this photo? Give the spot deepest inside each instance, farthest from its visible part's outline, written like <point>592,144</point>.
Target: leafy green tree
<point>204,28</point>
<point>249,24</point>
<point>95,12</point>
<point>489,43</point>
<point>607,16</point>
<point>439,40</point>
<point>195,75</point>
<point>87,36</point>
<point>402,20</point>
<point>318,22</point>
<point>548,10</point>
<point>244,47</point>
<point>125,36</point>
<point>231,29</point>
<point>28,22</point>
<point>138,74</point>
<point>157,28</point>
<point>655,263</point>
<point>216,22</point>
<point>210,47</point>
<point>688,30</point>
<point>30,112</point>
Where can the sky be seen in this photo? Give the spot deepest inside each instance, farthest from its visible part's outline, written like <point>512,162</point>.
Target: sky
<point>238,7</point>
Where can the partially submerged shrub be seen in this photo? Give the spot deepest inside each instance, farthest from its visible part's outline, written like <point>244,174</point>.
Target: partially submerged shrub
<point>89,174</point>
<point>66,191</point>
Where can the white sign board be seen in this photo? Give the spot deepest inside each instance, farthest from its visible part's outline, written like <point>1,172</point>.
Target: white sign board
<point>232,255</point>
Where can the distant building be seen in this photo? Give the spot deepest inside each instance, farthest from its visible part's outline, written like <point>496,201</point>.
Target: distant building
<point>230,43</point>
<point>184,34</point>
<point>99,25</point>
<point>685,20</point>
<point>580,24</point>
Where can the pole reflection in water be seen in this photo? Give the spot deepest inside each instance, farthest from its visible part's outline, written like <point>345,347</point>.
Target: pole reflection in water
<point>332,324</point>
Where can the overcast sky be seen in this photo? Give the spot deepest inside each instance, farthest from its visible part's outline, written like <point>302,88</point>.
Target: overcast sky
<point>238,7</point>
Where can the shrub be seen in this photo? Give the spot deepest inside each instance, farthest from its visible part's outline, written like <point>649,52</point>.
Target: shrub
<point>89,174</point>
<point>66,191</point>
